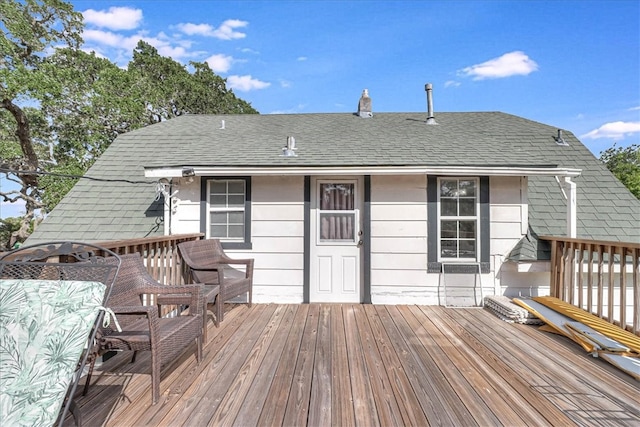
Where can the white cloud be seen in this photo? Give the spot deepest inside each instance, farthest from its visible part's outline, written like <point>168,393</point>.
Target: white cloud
<point>285,83</point>
<point>196,29</point>
<point>106,38</point>
<point>451,83</point>
<point>219,63</point>
<point>246,83</point>
<point>115,18</point>
<point>128,43</point>
<point>614,130</point>
<point>510,64</point>
<point>226,31</point>
<point>634,108</point>
<point>301,58</point>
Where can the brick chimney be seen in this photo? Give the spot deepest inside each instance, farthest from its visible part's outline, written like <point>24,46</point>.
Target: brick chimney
<point>364,105</point>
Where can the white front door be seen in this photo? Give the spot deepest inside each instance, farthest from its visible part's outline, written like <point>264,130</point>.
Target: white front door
<point>336,227</point>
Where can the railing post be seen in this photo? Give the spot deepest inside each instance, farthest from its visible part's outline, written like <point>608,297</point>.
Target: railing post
<point>623,286</point>
<point>600,298</point>
<point>553,274</point>
<point>636,291</point>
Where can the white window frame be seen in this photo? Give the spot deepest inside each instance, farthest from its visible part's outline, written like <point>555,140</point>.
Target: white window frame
<point>211,209</point>
<point>476,217</point>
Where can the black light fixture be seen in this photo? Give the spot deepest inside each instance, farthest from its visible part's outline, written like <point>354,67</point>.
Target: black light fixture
<point>188,172</point>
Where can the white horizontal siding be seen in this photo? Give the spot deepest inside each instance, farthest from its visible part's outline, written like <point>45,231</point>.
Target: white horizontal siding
<point>277,229</point>
<point>399,240</point>
<point>398,212</point>
<point>279,245</point>
<point>507,213</point>
<point>400,261</point>
<point>393,228</point>
<point>386,245</point>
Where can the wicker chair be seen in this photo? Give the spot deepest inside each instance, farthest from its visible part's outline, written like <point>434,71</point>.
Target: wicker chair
<point>207,263</point>
<point>142,328</point>
<point>51,299</point>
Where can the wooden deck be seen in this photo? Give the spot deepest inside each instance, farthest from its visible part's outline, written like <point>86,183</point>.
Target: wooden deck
<point>368,365</point>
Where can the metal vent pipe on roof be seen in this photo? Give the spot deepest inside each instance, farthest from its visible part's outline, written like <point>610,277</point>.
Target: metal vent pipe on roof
<point>429,89</point>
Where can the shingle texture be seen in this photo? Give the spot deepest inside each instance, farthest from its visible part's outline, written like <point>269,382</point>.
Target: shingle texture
<point>99,210</point>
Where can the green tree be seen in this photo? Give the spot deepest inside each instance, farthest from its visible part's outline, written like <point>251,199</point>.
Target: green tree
<point>86,114</point>
<point>8,226</point>
<point>28,29</point>
<point>168,89</point>
<point>624,163</point>
<point>60,112</point>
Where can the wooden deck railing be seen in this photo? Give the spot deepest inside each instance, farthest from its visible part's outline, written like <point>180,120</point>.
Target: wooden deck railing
<point>598,276</point>
<point>160,254</point>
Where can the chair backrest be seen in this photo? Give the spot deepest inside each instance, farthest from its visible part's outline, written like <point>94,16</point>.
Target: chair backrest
<point>202,253</point>
<point>132,276</point>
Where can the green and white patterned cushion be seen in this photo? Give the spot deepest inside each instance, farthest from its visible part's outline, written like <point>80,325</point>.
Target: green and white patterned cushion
<point>44,327</point>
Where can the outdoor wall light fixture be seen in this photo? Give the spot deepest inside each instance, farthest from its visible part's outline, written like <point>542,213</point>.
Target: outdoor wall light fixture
<point>188,172</point>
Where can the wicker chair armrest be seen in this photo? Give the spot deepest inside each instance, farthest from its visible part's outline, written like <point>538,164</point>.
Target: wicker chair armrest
<point>248,263</point>
<point>183,297</point>
<point>148,310</point>
<point>192,295</point>
<point>205,267</point>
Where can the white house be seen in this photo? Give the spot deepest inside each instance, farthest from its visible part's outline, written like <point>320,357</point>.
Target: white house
<point>357,207</point>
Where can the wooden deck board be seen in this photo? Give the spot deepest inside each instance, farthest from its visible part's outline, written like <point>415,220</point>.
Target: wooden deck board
<point>556,389</point>
<point>357,365</point>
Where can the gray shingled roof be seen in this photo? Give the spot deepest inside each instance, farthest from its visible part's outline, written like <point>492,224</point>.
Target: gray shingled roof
<point>98,210</point>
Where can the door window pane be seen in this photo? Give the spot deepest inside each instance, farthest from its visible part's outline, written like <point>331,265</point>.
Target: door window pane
<point>337,226</point>
<point>336,197</point>
<point>336,213</point>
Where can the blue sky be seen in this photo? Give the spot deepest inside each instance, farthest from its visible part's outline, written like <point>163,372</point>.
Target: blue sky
<point>570,64</point>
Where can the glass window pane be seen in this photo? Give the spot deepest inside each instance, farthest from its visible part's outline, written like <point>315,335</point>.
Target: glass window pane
<point>449,188</point>
<point>218,231</point>
<point>449,229</point>
<point>467,249</point>
<point>236,187</point>
<point>467,229</point>
<point>218,218</point>
<point>218,201</point>
<point>467,188</point>
<point>448,207</point>
<point>467,207</point>
<point>337,227</point>
<point>448,249</point>
<point>236,231</point>
<point>219,187</point>
<point>236,200</point>
<point>236,217</point>
<point>334,197</point>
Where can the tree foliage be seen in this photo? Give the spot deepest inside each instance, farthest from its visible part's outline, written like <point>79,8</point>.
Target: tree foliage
<point>61,107</point>
<point>29,28</point>
<point>624,163</point>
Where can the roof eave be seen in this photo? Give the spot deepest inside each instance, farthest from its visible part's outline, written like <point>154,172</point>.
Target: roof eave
<point>176,171</point>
